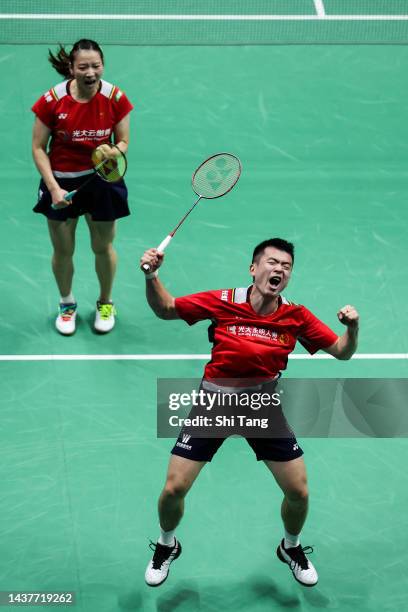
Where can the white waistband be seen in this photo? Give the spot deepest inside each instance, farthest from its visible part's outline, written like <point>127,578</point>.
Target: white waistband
<point>209,386</point>
<point>59,174</point>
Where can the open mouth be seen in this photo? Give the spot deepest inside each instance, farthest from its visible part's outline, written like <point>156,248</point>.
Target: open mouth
<point>274,281</point>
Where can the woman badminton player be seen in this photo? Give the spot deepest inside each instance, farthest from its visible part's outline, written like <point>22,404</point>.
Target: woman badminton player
<point>79,122</point>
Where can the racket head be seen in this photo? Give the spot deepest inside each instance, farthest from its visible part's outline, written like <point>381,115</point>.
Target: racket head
<point>216,176</point>
<point>111,170</point>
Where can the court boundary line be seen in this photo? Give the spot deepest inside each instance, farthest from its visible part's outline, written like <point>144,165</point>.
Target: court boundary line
<point>181,17</point>
<point>183,357</point>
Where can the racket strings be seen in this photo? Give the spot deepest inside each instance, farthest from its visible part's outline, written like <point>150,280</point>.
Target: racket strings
<point>216,176</point>
<point>112,170</point>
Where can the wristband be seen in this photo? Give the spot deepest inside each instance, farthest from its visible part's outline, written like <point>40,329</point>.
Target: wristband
<point>151,275</point>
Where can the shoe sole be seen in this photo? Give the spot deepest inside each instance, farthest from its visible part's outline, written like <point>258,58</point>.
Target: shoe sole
<point>103,331</point>
<point>281,558</point>
<point>164,579</point>
<point>65,333</point>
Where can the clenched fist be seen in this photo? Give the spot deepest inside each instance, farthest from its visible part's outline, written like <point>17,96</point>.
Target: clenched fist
<point>349,316</point>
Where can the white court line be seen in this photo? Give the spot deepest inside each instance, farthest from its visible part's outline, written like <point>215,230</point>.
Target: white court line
<point>319,6</point>
<point>179,17</point>
<point>179,357</point>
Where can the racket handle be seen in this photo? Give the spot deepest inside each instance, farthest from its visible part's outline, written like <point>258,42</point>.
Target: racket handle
<point>164,244</point>
<point>160,248</point>
<point>68,197</point>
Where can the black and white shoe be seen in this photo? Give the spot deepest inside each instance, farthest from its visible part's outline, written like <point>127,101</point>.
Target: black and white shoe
<point>159,566</point>
<point>302,569</point>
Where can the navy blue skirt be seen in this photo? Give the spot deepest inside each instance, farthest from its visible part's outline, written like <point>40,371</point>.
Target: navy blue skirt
<point>103,201</point>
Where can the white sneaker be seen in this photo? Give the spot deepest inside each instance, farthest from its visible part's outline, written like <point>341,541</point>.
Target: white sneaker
<point>158,568</point>
<point>65,322</point>
<point>105,317</point>
<point>302,569</point>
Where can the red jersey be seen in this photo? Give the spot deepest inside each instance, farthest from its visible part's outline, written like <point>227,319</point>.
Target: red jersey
<point>247,344</point>
<point>78,127</point>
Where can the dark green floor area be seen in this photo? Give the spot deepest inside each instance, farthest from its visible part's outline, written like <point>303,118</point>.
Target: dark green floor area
<point>321,132</point>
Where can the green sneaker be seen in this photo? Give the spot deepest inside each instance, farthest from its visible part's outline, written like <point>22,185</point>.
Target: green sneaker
<point>105,317</point>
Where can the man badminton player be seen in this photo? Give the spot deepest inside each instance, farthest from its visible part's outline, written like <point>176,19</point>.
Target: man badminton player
<point>75,124</point>
<point>251,356</point>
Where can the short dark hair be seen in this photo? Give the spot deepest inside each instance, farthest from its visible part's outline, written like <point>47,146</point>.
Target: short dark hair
<point>277,243</point>
<point>62,60</point>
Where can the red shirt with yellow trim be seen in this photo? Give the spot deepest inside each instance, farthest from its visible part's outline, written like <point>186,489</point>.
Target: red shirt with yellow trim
<point>249,345</point>
<point>78,127</point>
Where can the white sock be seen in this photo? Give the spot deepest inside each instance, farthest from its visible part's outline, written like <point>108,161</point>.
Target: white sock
<point>291,541</point>
<point>167,538</point>
<point>69,299</point>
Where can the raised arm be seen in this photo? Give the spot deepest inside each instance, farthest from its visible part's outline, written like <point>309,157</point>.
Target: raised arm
<point>346,345</point>
<point>158,298</point>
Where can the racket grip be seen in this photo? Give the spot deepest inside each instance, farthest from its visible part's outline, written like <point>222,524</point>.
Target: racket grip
<point>164,244</point>
<point>68,197</point>
<point>160,248</point>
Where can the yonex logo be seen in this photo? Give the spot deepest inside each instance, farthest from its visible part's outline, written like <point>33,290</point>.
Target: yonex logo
<point>186,438</point>
<point>109,167</point>
<point>62,116</point>
<point>295,447</point>
<point>217,175</point>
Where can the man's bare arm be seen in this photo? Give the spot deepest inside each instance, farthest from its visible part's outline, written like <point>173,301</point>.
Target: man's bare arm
<point>159,299</point>
<point>346,345</point>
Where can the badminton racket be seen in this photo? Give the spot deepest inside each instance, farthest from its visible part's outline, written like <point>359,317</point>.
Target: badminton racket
<point>215,177</point>
<point>110,170</point>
